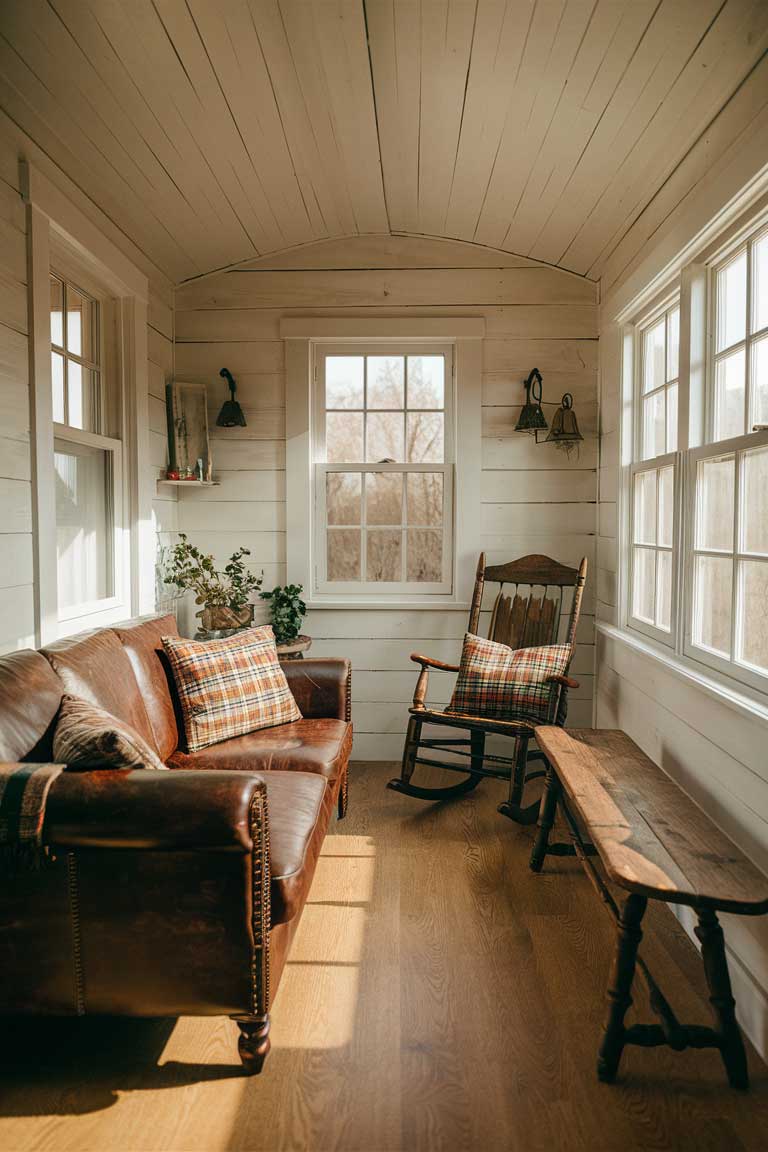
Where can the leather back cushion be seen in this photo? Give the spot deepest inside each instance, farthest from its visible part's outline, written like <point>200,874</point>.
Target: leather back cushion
<point>30,695</point>
<point>141,640</point>
<point>95,667</point>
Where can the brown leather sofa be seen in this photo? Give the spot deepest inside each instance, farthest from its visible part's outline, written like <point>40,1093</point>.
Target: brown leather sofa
<point>166,893</point>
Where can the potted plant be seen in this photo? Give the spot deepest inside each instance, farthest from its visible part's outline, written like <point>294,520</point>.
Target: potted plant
<point>287,612</point>
<point>223,597</point>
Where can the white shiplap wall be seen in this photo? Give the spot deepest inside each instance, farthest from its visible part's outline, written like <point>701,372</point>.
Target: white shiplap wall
<point>17,625</point>
<point>533,498</point>
<point>715,751</point>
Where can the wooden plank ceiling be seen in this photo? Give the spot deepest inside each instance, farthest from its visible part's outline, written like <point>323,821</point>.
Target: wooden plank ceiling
<point>214,131</point>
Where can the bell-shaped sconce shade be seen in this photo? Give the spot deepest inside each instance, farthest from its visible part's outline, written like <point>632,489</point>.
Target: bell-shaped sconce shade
<point>564,432</point>
<point>531,418</point>
<point>231,415</point>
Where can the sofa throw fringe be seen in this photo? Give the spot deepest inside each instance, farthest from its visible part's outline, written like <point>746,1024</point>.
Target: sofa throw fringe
<point>24,790</point>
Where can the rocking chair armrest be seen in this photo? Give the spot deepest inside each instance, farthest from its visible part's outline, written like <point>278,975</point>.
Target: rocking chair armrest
<point>566,681</point>
<point>428,662</point>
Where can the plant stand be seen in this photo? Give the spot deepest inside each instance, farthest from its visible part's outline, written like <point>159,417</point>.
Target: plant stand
<point>295,649</point>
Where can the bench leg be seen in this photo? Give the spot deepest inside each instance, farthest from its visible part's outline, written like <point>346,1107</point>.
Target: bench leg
<point>620,987</point>
<point>552,791</point>
<point>731,1045</point>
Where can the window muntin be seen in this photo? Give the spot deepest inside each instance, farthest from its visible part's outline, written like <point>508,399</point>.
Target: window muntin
<point>739,386</point>
<point>383,472</point>
<point>87,463</point>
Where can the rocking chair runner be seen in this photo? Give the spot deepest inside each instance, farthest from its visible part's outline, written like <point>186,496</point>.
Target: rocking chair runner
<point>520,619</point>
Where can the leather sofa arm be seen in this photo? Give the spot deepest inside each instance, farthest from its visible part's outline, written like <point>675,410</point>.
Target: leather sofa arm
<point>146,809</point>
<point>322,687</point>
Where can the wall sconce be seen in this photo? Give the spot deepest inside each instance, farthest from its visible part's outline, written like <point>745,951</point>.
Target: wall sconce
<point>564,433</point>
<point>231,415</point>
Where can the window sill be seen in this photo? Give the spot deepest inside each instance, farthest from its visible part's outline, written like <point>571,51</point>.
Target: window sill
<point>737,699</point>
<point>389,605</point>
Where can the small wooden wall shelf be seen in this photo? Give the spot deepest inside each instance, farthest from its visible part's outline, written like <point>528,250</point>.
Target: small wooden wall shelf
<point>191,483</point>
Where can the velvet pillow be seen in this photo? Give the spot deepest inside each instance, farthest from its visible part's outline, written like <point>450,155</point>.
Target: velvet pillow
<point>87,736</point>
<point>229,687</point>
<point>501,683</point>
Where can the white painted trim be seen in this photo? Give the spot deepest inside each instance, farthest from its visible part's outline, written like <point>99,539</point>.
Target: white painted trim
<point>426,328</point>
<point>298,460</point>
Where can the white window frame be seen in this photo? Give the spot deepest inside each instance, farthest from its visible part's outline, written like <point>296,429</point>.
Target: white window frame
<point>321,585</point>
<point>694,283</point>
<point>62,239</point>
<point>302,336</point>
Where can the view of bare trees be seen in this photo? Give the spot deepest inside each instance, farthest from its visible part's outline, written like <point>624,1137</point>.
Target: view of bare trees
<point>385,410</point>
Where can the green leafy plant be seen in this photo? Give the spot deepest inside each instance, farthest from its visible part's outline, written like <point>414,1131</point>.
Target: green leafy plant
<point>194,571</point>
<point>288,611</point>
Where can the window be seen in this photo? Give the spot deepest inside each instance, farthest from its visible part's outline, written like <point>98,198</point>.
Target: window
<point>740,369</point>
<point>383,469</point>
<point>700,492</point>
<point>87,462</point>
<point>653,560</point>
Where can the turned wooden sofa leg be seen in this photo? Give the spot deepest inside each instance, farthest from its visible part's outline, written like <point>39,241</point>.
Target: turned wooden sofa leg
<point>620,987</point>
<point>731,1045</point>
<point>253,1044</point>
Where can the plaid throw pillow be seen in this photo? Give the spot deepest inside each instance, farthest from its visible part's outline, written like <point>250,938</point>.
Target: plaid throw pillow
<point>501,683</point>
<point>229,687</point>
<point>87,736</point>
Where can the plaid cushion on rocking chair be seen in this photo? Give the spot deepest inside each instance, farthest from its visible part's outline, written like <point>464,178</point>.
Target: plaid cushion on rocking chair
<point>496,682</point>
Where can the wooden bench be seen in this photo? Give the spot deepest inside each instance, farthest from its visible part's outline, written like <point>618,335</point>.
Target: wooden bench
<point>656,844</point>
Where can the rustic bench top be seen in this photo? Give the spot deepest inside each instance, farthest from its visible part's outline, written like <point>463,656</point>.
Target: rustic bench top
<point>651,837</point>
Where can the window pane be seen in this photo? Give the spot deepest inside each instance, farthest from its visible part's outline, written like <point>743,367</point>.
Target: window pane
<point>664,590</point>
<point>83,531</point>
<point>81,396</point>
<point>643,583</point>
<point>666,506</point>
<point>672,418</point>
<point>425,438</point>
<point>713,576</point>
<point>645,508</point>
<point>753,639</point>
<point>731,292</point>
<point>425,498</point>
<point>760,284</point>
<point>729,396</point>
<point>714,501</point>
<point>386,382</point>
<point>754,503</point>
<point>57,312</point>
<point>344,437</point>
<point>344,382</point>
<point>426,382</point>
<point>673,344</point>
<point>384,437</point>
<point>759,383</point>
<point>424,555</point>
<point>653,357</point>
<point>384,498</point>
<point>343,560</point>
<point>342,497</point>
<point>57,385</point>
<point>384,554</point>
<point>81,324</point>
<point>654,431</point>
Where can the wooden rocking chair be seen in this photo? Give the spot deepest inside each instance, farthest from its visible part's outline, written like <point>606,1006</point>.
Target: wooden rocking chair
<point>530,614</point>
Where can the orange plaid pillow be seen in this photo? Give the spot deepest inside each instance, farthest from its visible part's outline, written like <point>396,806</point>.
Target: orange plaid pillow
<point>229,687</point>
<point>503,683</point>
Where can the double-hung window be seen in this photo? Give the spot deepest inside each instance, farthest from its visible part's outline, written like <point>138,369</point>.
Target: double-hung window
<point>704,501</point>
<point>87,460</point>
<point>384,470</point>
<point>653,552</point>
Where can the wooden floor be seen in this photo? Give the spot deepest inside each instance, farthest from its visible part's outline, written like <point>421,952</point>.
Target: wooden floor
<point>439,996</point>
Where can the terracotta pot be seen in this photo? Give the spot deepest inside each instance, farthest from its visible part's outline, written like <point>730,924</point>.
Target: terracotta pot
<point>216,619</point>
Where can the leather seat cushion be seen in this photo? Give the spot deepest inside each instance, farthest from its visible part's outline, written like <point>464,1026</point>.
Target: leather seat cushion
<point>299,806</point>
<point>318,746</point>
<point>30,695</point>
<point>94,666</point>
<point>142,640</point>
